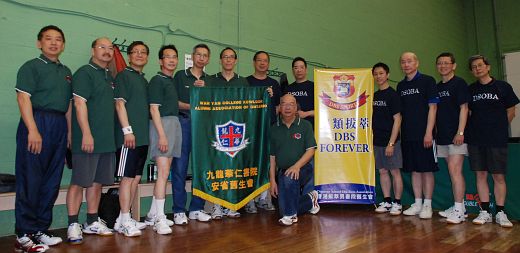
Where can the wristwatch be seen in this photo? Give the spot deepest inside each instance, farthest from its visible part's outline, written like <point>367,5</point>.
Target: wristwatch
<point>461,133</point>
<point>391,144</point>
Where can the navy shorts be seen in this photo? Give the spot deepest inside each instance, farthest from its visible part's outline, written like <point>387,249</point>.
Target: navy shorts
<point>490,159</point>
<point>130,162</point>
<point>416,158</point>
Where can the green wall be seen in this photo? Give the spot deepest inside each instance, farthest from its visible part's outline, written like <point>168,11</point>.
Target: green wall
<point>336,33</point>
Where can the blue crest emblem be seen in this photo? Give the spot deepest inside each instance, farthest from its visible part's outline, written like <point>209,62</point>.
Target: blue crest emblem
<point>230,138</point>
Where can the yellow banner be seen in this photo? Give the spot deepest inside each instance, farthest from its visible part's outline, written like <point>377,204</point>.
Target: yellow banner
<point>344,158</point>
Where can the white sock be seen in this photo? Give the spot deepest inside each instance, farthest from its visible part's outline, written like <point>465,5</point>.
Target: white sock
<point>124,217</point>
<point>458,206</point>
<point>160,207</point>
<point>153,208</point>
<point>427,202</point>
<point>418,202</point>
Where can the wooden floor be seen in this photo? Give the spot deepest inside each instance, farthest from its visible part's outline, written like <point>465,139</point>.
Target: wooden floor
<point>335,229</point>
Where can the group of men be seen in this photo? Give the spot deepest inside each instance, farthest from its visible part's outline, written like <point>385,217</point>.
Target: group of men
<point>113,124</point>
<point>447,120</point>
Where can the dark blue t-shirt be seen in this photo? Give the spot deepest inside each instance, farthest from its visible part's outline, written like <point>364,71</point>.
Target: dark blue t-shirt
<point>277,92</point>
<point>304,94</point>
<point>416,95</point>
<point>386,105</point>
<point>488,124</point>
<point>452,95</point>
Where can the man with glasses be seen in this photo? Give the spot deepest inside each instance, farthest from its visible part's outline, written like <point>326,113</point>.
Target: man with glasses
<point>43,92</point>
<point>492,108</point>
<point>131,102</point>
<point>292,148</point>
<point>93,144</point>
<point>419,100</point>
<point>184,80</point>
<point>226,78</point>
<point>452,114</point>
<point>259,78</point>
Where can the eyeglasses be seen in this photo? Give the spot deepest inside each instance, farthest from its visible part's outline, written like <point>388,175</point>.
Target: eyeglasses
<point>139,52</point>
<point>287,105</point>
<point>227,57</point>
<point>109,48</point>
<point>478,66</point>
<point>170,57</point>
<point>443,63</point>
<point>201,55</point>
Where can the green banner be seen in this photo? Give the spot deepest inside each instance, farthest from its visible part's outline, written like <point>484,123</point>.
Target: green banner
<point>230,144</point>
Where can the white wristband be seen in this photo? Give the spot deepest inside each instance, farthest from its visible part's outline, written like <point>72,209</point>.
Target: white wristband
<point>127,130</point>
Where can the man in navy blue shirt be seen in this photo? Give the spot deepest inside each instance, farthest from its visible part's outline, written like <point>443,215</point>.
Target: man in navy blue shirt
<point>302,89</point>
<point>259,78</point>
<point>386,121</point>
<point>492,108</point>
<point>419,100</point>
<point>452,114</point>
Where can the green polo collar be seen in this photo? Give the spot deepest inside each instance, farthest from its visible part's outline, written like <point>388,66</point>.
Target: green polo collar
<point>46,60</point>
<point>189,74</point>
<point>280,121</point>
<point>128,68</point>
<point>219,75</point>
<point>161,74</point>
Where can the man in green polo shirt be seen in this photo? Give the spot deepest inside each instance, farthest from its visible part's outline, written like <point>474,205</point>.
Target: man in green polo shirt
<point>227,77</point>
<point>43,92</point>
<point>131,132</point>
<point>93,144</point>
<point>165,137</point>
<point>292,148</point>
<point>184,79</point>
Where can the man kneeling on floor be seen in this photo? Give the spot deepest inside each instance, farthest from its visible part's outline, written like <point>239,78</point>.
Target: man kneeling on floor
<point>291,174</point>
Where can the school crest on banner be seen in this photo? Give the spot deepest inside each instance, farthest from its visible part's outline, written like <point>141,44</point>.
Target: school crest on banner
<point>230,156</point>
<point>345,170</point>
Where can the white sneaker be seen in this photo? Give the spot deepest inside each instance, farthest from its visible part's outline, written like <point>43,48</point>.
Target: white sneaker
<point>266,205</point>
<point>200,216</point>
<point>288,220</point>
<point>180,219</point>
<point>251,207</point>
<point>217,212</point>
<point>446,212</point>
<point>150,221</point>
<point>455,217</point>
<point>230,213</point>
<point>501,218</point>
<point>98,227</point>
<point>315,206</point>
<point>414,209</point>
<point>426,212</point>
<point>383,207</point>
<point>482,218</point>
<point>396,209</point>
<point>26,244</point>
<point>161,227</point>
<point>129,229</point>
<point>74,234</point>
<point>47,238</point>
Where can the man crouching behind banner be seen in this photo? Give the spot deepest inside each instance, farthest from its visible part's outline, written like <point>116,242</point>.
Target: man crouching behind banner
<point>292,147</point>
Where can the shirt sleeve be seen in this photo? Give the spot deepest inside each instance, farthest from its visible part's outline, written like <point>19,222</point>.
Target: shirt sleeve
<point>154,91</point>
<point>310,141</point>
<point>509,97</point>
<point>277,93</point>
<point>431,91</point>
<point>81,84</point>
<point>26,80</point>
<point>121,90</point>
<point>462,92</point>
<point>395,103</point>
